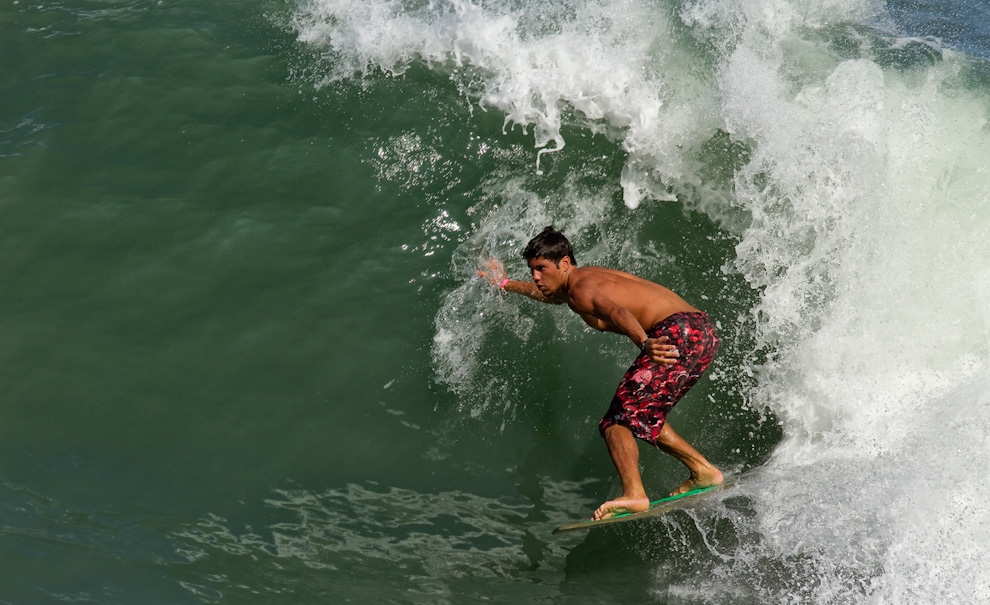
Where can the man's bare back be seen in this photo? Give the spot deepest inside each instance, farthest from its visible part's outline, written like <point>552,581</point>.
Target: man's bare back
<point>649,302</point>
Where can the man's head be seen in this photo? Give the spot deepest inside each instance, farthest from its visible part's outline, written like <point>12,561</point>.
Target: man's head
<point>550,259</point>
<point>551,245</point>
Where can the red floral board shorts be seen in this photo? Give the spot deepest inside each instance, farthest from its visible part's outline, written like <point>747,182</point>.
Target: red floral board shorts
<point>649,390</point>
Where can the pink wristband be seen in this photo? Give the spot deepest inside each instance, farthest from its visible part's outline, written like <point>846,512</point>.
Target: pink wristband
<point>501,286</point>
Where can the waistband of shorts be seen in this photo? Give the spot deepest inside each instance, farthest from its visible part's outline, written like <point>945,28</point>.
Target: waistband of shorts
<point>672,318</point>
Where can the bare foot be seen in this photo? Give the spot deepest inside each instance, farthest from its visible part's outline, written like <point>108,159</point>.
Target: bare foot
<point>621,505</point>
<point>706,478</point>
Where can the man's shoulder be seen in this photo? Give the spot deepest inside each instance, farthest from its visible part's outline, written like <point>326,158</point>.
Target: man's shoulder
<point>591,281</point>
<point>594,275</point>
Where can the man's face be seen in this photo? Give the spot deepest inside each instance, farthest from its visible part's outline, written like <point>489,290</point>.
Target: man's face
<point>548,276</point>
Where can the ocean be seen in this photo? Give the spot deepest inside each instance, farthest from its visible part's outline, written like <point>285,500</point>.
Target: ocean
<point>246,357</point>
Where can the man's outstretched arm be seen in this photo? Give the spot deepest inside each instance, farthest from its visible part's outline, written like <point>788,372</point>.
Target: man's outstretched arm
<point>495,274</point>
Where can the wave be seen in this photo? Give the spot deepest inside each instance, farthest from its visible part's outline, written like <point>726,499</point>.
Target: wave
<point>854,184</point>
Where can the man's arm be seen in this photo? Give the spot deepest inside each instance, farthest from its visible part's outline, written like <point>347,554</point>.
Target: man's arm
<point>496,275</point>
<point>589,300</point>
<point>529,289</point>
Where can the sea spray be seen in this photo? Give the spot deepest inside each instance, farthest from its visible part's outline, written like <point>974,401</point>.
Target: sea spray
<point>475,315</point>
<point>868,192</point>
<point>626,67</point>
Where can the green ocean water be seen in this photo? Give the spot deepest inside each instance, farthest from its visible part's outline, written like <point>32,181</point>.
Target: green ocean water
<point>207,306</point>
<point>228,293</point>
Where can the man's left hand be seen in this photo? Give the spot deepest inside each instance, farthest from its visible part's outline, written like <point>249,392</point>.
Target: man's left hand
<point>660,351</point>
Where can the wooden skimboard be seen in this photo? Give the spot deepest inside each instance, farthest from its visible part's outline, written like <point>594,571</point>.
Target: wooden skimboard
<point>657,507</point>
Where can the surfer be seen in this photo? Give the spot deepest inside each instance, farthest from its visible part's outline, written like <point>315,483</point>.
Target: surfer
<point>677,342</point>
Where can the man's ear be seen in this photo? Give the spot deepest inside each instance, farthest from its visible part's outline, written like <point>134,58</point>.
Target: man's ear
<point>564,263</point>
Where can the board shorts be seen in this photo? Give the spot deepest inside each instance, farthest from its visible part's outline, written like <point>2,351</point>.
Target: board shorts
<point>649,390</point>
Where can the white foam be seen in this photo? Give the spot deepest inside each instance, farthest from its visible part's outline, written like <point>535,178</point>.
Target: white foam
<point>869,192</point>
<point>617,62</point>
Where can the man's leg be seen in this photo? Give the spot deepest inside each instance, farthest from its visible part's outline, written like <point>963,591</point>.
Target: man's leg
<point>623,449</point>
<point>703,474</point>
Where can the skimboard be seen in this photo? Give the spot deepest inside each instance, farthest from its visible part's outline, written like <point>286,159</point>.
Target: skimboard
<point>657,507</point>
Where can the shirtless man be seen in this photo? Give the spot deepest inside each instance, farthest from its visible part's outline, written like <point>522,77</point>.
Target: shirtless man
<point>676,341</point>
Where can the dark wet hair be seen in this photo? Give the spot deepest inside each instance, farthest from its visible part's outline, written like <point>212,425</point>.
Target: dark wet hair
<point>551,245</point>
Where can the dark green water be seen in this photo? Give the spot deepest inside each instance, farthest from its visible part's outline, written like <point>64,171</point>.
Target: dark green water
<point>217,377</point>
<point>244,358</point>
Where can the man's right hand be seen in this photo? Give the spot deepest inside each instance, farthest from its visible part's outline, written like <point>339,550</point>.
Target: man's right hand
<point>494,272</point>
